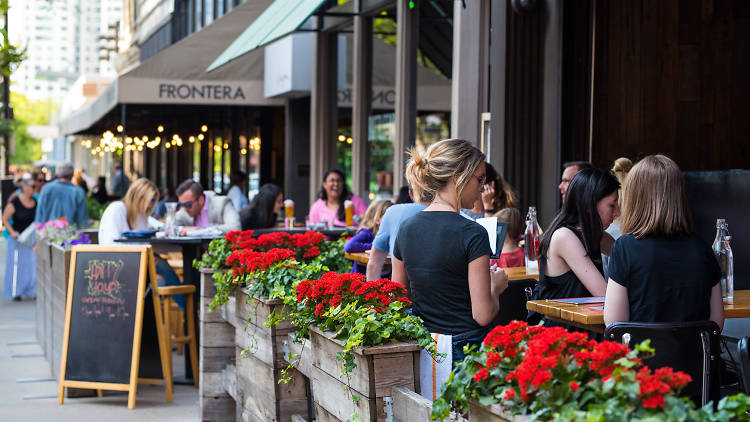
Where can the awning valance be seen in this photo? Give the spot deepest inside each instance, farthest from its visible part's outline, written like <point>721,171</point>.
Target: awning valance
<point>281,18</point>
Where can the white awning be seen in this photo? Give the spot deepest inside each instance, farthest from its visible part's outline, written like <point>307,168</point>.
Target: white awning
<point>177,74</point>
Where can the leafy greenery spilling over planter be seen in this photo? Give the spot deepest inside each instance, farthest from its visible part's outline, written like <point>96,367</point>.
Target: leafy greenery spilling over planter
<point>553,374</point>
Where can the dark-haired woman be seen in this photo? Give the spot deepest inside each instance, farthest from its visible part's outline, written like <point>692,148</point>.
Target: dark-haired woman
<point>570,263</point>
<point>264,209</point>
<point>329,208</point>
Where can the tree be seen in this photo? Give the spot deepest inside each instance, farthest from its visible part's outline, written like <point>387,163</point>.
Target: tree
<point>27,112</point>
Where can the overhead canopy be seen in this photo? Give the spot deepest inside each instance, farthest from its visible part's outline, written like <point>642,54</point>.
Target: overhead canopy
<point>176,75</point>
<point>281,18</point>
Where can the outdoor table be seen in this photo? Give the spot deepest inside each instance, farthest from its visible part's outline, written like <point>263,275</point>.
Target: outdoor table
<point>583,317</point>
<point>191,249</point>
<point>519,273</point>
<point>335,232</point>
<point>364,257</point>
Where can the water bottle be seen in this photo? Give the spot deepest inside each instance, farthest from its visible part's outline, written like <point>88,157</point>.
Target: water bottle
<point>532,239</point>
<point>723,253</point>
<point>169,224</point>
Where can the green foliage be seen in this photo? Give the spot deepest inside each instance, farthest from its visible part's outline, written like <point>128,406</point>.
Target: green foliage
<point>95,208</point>
<point>333,257</point>
<point>215,257</point>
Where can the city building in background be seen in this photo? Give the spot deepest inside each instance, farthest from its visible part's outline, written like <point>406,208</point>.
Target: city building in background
<point>62,38</point>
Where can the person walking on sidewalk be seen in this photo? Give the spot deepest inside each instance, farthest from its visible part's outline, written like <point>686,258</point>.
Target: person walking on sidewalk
<point>20,261</point>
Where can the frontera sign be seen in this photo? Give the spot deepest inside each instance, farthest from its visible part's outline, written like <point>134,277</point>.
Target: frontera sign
<point>199,92</point>
<point>194,92</point>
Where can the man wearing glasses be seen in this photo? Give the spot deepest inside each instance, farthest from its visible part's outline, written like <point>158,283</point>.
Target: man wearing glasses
<point>203,209</point>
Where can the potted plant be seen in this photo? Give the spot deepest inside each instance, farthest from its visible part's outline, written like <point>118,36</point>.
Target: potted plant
<point>552,374</point>
<point>364,342</point>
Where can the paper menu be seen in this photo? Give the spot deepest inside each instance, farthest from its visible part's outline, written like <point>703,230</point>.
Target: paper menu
<point>490,224</point>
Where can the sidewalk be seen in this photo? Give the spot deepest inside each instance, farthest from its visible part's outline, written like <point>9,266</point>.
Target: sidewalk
<point>17,324</point>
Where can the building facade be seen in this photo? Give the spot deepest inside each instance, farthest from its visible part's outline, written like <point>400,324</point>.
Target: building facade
<point>62,42</point>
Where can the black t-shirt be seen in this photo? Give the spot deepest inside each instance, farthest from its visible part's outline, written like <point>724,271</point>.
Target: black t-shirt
<point>668,279</point>
<point>436,248</point>
<point>23,216</point>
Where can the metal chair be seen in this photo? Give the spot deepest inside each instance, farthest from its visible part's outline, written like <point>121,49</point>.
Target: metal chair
<point>692,347</point>
<point>743,349</point>
<point>513,302</point>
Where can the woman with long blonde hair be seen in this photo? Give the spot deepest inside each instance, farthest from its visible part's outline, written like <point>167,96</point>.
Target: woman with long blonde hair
<point>131,214</point>
<point>441,257</point>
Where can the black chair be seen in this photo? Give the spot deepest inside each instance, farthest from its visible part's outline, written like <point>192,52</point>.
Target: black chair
<point>513,302</point>
<point>743,352</point>
<point>691,347</point>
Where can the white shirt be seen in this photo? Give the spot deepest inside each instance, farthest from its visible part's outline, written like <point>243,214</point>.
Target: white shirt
<point>239,200</point>
<point>115,221</point>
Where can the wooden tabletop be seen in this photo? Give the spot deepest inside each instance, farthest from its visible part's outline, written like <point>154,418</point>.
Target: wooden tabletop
<point>519,273</point>
<point>363,257</point>
<point>580,315</point>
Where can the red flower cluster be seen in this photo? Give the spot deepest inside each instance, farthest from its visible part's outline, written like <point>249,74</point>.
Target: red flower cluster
<point>334,289</point>
<point>245,261</point>
<point>239,239</point>
<point>655,385</point>
<point>540,354</point>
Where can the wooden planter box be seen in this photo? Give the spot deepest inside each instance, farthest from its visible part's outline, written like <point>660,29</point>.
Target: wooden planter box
<point>43,291</point>
<point>378,370</point>
<point>492,413</point>
<point>60,266</point>
<point>258,391</point>
<point>216,351</point>
<point>301,352</point>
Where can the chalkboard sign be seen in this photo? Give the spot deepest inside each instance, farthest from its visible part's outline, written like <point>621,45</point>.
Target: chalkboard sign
<point>107,336</point>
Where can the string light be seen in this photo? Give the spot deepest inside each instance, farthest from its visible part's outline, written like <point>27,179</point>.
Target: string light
<point>200,137</point>
<point>160,128</point>
<point>243,151</point>
<point>167,145</point>
<point>342,138</point>
<point>204,128</point>
<point>120,128</point>
<point>191,139</point>
<point>217,148</point>
<point>349,140</point>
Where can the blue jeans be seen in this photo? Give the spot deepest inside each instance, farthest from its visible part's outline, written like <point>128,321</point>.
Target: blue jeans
<point>170,279</point>
<point>458,346</point>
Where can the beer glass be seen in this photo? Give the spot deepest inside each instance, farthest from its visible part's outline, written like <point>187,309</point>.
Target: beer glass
<point>349,210</point>
<point>288,214</point>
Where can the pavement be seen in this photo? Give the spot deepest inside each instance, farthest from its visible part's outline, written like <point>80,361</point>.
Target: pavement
<point>37,401</point>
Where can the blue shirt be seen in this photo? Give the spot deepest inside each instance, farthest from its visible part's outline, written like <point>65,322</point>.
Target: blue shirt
<point>391,222</point>
<point>62,199</point>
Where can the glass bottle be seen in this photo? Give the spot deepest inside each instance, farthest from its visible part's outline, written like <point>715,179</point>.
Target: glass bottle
<point>532,239</point>
<point>169,221</point>
<point>723,252</point>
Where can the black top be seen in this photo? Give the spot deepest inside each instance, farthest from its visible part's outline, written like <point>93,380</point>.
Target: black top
<point>436,248</point>
<point>23,216</point>
<point>558,287</point>
<point>668,279</point>
<point>250,219</point>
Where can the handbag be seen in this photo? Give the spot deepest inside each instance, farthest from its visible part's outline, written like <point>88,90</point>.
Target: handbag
<point>28,236</point>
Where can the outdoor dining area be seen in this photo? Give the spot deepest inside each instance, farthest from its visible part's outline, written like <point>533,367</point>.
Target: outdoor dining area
<point>420,310</point>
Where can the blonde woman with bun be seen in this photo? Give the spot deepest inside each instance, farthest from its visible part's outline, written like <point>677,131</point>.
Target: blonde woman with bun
<point>620,170</point>
<point>442,258</point>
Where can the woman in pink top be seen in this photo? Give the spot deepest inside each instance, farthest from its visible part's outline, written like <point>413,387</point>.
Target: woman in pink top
<point>330,203</point>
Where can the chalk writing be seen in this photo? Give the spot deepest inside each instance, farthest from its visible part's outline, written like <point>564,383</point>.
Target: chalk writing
<point>103,279</point>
